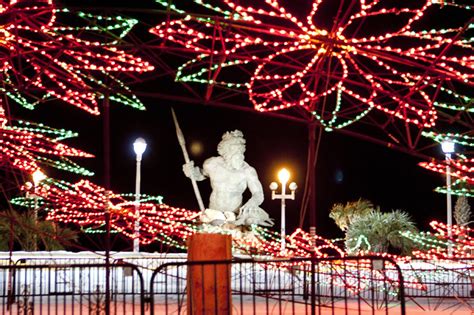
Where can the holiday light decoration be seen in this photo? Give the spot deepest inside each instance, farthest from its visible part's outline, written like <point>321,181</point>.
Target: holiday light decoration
<point>461,168</point>
<point>85,204</point>
<point>44,59</point>
<point>25,146</point>
<point>460,139</point>
<point>440,245</point>
<point>356,275</point>
<point>262,241</point>
<point>458,188</point>
<point>335,60</point>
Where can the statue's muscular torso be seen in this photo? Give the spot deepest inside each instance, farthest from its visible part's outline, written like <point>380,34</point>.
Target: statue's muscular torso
<point>227,184</point>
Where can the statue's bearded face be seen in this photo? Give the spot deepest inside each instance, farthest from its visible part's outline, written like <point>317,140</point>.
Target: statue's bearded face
<point>234,156</point>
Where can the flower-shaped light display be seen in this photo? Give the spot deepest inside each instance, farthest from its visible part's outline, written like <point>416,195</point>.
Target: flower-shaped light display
<point>336,59</point>
<point>42,58</point>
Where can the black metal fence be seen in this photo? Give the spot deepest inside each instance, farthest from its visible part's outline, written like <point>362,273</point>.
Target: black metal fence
<point>369,285</point>
<point>71,289</point>
<point>450,278</point>
<point>363,285</point>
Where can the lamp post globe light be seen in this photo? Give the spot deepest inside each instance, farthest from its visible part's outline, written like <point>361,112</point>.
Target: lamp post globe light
<point>283,177</point>
<point>139,146</point>
<point>38,176</point>
<point>448,148</point>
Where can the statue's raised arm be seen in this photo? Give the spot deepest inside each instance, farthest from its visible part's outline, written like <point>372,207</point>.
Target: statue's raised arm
<point>193,171</point>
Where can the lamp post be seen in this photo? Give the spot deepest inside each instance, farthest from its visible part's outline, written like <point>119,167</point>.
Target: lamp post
<point>139,146</point>
<point>448,147</point>
<point>38,176</point>
<point>283,177</point>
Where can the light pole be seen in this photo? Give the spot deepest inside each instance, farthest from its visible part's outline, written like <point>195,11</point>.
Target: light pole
<point>283,177</point>
<point>448,147</point>
<point>38,176</point>
<point>139,146</point>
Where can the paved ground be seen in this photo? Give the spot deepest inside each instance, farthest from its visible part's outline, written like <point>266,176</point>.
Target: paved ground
<point>262,307</point>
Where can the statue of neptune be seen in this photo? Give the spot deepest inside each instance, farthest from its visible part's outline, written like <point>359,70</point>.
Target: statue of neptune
<point>230,176</point>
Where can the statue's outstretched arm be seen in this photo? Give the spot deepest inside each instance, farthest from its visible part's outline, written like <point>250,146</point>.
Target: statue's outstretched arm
<point>255,187</point>
<point>193,171</point>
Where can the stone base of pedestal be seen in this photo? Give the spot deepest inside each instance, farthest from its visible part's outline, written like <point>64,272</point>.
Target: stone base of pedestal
<point>209,290</point>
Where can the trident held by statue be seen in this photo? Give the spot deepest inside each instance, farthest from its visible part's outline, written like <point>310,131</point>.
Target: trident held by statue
<point>182,144</point>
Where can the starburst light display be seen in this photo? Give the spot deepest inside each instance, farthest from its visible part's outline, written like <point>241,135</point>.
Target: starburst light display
<point>338,60</point>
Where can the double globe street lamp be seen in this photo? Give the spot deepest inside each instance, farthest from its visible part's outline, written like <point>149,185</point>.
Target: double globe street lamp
<point>283,177</point>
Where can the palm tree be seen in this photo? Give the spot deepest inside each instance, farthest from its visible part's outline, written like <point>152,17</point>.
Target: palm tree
<point>30,234</point>
<point>344,215</point>
<point>462,211</point>
<point>381,232</point>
